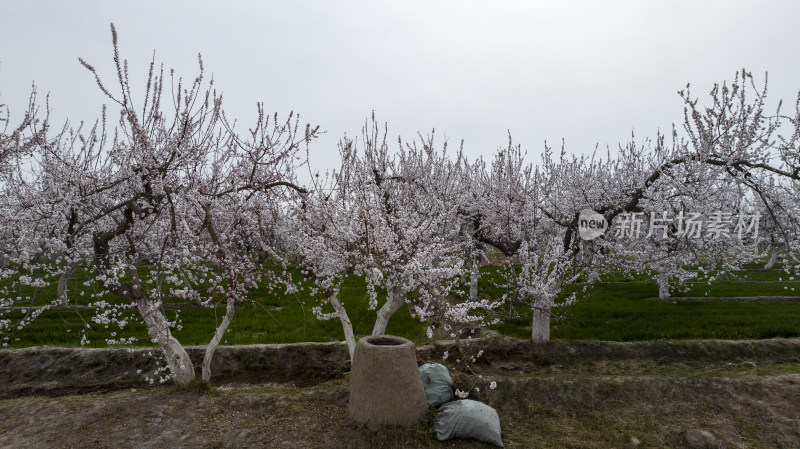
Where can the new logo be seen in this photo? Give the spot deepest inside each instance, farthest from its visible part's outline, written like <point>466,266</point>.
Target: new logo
<point>591,224</point>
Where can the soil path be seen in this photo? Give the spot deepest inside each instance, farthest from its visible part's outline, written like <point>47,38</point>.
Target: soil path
<point>566,394</point>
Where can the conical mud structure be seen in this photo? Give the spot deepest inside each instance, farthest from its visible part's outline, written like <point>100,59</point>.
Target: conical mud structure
<point>385,386</point>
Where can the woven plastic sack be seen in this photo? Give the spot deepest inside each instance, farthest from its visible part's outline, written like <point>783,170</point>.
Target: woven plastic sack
<point>437,383</point>
<point>468,419</point>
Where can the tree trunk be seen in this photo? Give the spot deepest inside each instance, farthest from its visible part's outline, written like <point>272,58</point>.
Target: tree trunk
<point>474,275</point>
<point>345,320</point>
<point>663,286</point>
<point>395,298</point>
<point>178,359</point>
<point>188,286</point>
<point>4,261</point>
<point>158,329</point>
<point>773,257</point>
<point>62,283</point>
<point>212,345</point>
<point>540,326</point>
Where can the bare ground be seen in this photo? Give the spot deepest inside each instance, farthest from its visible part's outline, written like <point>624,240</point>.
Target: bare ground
<point>572,395</point>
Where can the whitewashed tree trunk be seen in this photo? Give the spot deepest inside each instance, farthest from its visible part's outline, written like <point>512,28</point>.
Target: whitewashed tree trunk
<point>773,257</point>
<point>474,275</point>
<point>62,283</point>
<point>542,306</point>
<point>4,261</point>
<point>178,360</point>
<point>540,326</point>
<point>187,285</point>
<point>395,298</point>
<point>230,308</point>
<point>663,286</point>
<point>158,329</point>
<point>345,320</point>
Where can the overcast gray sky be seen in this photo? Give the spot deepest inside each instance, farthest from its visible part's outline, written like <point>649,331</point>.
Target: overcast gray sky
<point>586,71</point>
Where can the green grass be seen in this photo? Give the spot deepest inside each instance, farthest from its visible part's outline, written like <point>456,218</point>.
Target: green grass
<point>614,311</point>
<point>741,289</point>
<point>270,318</point>
<point>619,312</point>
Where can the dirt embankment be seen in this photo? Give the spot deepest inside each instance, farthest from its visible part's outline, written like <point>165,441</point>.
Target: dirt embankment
<point>55,371</point>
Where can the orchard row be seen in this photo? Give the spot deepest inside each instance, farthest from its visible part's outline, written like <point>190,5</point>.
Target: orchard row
<point>171,186</point>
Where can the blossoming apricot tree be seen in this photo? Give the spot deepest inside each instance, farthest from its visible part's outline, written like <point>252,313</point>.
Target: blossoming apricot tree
<point>162,206</point>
